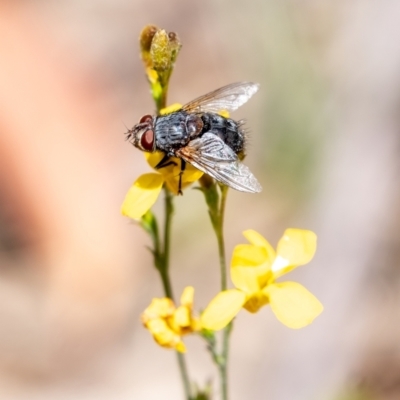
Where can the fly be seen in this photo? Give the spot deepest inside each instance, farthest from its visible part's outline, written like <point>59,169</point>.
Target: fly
<point>197,134</point>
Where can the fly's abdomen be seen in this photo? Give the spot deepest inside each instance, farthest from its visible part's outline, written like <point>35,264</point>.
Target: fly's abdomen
<point>227,129</point>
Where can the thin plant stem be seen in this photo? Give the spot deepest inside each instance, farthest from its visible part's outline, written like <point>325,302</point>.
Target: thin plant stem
<point>166,284</point>
<point>169,210</point>
<point>184,374</point>
<point>164,273</point>
<point>161,102</point>
<point>223,366</point>
<point>219,230</point>
<point>164,270</point>
<point>220,237</point>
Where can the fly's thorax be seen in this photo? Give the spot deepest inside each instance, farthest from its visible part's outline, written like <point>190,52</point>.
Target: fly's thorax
<point>175,130</point>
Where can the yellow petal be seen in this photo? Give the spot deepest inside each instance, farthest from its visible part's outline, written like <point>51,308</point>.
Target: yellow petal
<point>170,109</point>
<point>258,240</point>
<point>195,324</point>
<point>153,158</point>
<point>249,267</point>
<point>293,304</point>
<point>163,335</point>
<point>182,317</point>
<point>171,175</point>
<point>172,171</point>
<point>190,175</point>
<point>187,296</point>
<point>247,255</point>
<point>296,247</point>
<point>163,307</point>
<point>222,309</point>
<point>157,326</point>
<point>142,195</point>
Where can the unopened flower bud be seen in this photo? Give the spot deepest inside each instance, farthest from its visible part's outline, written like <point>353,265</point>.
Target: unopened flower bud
<point>145,39</point>
<point>160,51</point>
<point>175,45</point>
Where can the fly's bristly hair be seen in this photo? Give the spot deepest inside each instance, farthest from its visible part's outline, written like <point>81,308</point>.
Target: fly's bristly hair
<point>246,132</point>
<point>130,137</point>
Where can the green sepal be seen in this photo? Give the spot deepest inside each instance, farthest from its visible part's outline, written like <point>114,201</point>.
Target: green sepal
<point>211,195</point>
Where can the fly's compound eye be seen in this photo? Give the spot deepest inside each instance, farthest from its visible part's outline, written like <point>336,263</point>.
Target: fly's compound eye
<point>194,125</point>
<point>145,118</point>
<point>147,140</point>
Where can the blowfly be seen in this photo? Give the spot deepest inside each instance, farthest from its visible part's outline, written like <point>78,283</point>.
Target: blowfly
<point>198,134</point>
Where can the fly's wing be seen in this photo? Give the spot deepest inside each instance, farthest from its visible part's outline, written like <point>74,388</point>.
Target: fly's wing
<point>212,156</point>
<point>228,98</point>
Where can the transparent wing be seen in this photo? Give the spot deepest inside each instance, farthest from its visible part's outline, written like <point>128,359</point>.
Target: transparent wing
<point>212,156</point>
<point>228,98</point>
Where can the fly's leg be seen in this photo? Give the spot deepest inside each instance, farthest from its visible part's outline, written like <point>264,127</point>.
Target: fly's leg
<point>183,166</point>
<point>165,162</point>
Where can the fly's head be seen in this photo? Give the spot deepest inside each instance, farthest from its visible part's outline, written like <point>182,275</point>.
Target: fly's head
<point>142,134</point>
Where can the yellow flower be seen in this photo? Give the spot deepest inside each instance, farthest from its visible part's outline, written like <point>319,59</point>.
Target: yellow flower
<point>168,323</point>
<point>254,270</point>
<point>145,190</point>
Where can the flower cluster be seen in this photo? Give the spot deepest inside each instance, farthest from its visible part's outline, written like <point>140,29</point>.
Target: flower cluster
<point>168,323</point>
<point>255,267</point>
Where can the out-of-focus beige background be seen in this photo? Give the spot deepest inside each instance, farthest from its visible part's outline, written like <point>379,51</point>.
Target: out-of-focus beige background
<point>75,274</point>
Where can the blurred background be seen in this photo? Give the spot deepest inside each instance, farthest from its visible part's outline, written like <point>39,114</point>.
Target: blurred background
<point>75,275</point>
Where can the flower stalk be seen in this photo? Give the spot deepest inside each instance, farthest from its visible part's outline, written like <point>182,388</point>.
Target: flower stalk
<point>164,268</point>
<point>219,231</point>
<point>216,201</point>
<point>165,277</point>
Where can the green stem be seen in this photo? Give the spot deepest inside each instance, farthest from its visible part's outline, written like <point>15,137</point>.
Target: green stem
<point>220,237</point>
<point>164,270</point>
<point>219,230</point>
<point>223,366</point>
<point>184,375</point>
<point>166,284</point>
<point>166,281</point>
<point>169,210</point>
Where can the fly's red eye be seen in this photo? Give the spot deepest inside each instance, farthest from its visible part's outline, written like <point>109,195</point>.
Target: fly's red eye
<point>145,118</point>
<point>147,140</point>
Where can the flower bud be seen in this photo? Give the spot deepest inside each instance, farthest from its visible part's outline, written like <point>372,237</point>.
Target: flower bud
<point>149,223</point>
<point>160,51</point>
<point>145,39</point>
<point>175,45</point>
